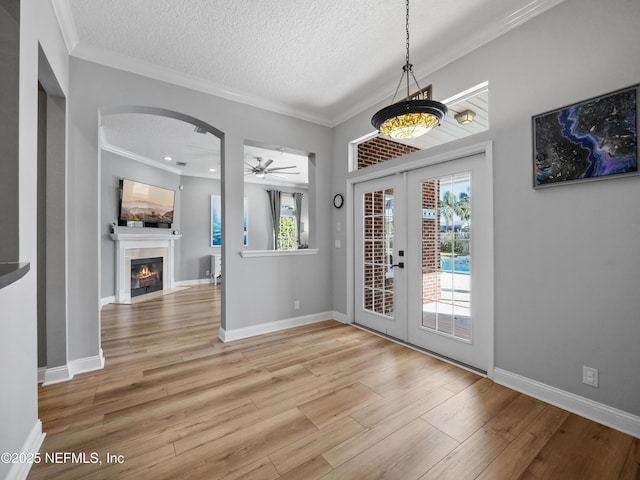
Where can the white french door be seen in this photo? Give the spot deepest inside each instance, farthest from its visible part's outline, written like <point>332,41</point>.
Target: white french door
<point>450,275</point>
<point>379,227</point>
<point>437,221</point>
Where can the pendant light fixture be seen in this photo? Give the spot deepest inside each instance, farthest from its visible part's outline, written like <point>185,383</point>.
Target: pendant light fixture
<point>411,117</point>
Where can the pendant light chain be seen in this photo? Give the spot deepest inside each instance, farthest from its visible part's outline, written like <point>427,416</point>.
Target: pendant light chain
<point>407,28</point>
<point>409,67</point>
<point>409,118</point>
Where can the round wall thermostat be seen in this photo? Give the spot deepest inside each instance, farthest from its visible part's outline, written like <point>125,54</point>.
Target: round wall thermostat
<point>338,201</point>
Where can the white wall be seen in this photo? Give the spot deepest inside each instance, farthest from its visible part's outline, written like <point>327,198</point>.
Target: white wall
<point>567,272</point>
<point>18,342</point>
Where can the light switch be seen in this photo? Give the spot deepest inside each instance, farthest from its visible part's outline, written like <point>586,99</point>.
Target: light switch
<point>338,244</point>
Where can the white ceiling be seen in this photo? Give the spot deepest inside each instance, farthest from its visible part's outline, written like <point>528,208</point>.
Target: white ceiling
<point>321,61</point>
<point>152,138</point>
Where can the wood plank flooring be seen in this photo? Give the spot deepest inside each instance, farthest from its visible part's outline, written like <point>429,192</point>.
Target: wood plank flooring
<point>326,401</point>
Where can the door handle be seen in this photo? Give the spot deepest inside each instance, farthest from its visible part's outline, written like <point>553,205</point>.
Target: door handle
<point>401,265</point>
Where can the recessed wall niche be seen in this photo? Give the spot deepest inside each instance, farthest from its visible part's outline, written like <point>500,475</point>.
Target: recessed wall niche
<point>278,187</point>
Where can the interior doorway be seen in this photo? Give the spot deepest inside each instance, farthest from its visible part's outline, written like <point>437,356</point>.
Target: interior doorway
<point>52,225</point>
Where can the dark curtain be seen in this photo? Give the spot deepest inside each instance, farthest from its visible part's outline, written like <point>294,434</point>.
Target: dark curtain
<point>274,205</point>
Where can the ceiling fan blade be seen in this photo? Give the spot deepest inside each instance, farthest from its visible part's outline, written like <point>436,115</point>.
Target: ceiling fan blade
<point>281,168</point>
<point>248,164</point>
<point>267,163</point>
<point>270,172</point>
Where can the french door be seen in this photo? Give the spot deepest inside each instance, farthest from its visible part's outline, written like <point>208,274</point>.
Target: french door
<point>380,299</point>
<point>424,258</point>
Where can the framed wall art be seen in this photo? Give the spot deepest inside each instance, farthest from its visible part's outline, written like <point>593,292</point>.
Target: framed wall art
<point>590,140</point>
<point>216,221</point>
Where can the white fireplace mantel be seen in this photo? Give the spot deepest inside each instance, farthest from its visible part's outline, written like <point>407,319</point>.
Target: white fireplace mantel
<point>142,245</point>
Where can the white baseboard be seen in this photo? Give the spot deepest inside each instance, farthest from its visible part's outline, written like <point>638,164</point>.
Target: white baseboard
<point>182,283</point>
<point>74,367</point>
<point>252,331</point>
<point>598,412</point>
<point>340,317</point>
<point>106,301</point>
<point>57,375</point>
<point>87,364</point>
<point>32,444</point>
<point>188,283</point>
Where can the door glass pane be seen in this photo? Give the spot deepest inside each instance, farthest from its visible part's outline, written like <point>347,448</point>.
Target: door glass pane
<point>446,255</point>
<point>378,252</point>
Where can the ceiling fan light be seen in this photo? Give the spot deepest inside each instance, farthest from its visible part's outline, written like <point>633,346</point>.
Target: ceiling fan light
<point>260,174</point>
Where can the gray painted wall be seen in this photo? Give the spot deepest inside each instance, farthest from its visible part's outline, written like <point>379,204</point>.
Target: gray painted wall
<point>9,85</point>
<point>113,168</point>
<point>18,312</point>
<point>567,271</point>
<point>42,232</point>
<point>52,289</point>
<point>192,216</point>
<point>195,244</point>
<point>56,247</point>
<point>97,88</point>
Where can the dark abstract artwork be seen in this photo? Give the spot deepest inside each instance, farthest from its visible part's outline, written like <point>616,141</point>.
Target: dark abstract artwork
<point>589,140</point>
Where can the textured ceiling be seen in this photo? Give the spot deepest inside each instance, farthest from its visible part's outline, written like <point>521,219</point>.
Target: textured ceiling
<point>323,60</point>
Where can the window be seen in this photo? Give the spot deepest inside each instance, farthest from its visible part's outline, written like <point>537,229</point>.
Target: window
<point>287,231</point>
<point>374,148</point>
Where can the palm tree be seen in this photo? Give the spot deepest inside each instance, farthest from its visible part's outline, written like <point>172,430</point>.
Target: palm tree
<point>463,206</point>
<point>448,205</point>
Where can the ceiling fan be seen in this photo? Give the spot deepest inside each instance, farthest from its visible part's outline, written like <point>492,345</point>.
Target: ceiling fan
<point>262,169</point>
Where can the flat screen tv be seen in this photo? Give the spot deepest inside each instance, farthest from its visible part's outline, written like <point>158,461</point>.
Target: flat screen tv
<point>145,205</point>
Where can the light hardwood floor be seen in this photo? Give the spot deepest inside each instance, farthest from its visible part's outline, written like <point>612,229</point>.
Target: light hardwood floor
<point>326,401</point>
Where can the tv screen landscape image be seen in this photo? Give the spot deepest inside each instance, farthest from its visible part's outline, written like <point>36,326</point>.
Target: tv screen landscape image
<point>139,202</point>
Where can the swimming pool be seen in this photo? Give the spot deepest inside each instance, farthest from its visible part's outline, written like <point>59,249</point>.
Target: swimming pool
<point>461,264</point>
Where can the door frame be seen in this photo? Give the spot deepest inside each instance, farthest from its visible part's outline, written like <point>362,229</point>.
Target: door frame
<point>409,162</point>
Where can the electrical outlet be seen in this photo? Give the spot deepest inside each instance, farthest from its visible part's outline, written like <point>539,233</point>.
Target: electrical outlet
<point>590,376</point>
<point>296,305</point>
<point>206,273</point>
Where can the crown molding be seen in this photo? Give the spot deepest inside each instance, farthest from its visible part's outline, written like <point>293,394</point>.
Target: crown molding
<point>139,158</point>
<point>62,11</point>
<point>123,62</point>
<point>168,75</point>
<point>472,42</point>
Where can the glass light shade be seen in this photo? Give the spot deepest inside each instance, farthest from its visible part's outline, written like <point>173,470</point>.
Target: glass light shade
<point>260,175</point>
<point>411,125</point>
<point>409,118</point>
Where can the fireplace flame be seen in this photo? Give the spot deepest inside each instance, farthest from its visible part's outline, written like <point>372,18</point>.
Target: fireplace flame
<point>145,272</point>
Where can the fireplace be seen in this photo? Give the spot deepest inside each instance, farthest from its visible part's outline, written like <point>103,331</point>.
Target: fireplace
<point>146,275</point>
<point>134,246</point>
